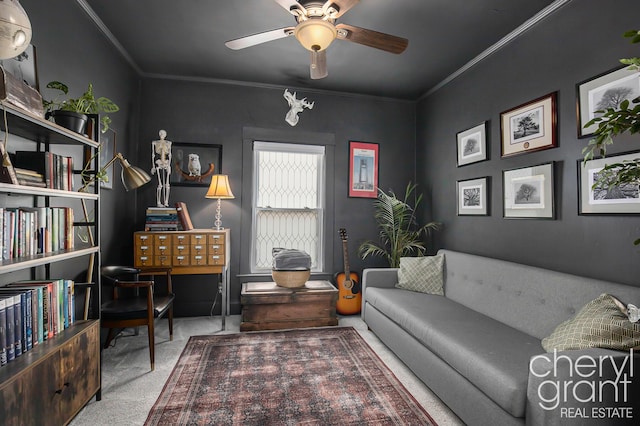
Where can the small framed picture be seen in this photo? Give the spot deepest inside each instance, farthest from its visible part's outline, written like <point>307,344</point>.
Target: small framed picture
<point>363,169</point>
<point>472,145</point>
<point>473,197</point>
<point>600,198</point>
<point>529,127</point>
<point>24,67</point>
<point>604,91</point>
<point>194,163</point>
<point>107,151</point>
<point>528,192</point>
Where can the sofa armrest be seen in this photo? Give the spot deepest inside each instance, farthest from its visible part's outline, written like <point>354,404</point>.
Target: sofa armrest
<point>589,386</point>
<point>379,277</point>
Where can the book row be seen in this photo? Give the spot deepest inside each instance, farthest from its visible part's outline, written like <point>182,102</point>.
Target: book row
<point>27,231</point>
<point>43,169</point>
<point>32,312</point>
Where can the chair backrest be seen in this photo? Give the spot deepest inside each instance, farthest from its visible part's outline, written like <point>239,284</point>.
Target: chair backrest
<point>112,273</point>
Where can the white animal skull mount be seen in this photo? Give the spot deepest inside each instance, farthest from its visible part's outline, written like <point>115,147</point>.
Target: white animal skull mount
<point>297,106</point>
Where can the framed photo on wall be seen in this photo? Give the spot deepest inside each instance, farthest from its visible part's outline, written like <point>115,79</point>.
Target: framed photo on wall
<point>24,67</point>
<point>529,127</point>
<point>528,192</point>
<point>107,151</point>
<point>603,198</point>
<point>472,145</point>
<point>194,163</point>
<point>363,169</point>
<point>604,91</point>
<point>473,197</point>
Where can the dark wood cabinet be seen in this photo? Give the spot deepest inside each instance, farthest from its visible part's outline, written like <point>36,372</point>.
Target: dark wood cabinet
<point>50,384</point>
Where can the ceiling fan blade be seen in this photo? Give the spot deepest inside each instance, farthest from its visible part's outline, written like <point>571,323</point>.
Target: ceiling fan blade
<point>318,68</point>
<point>382,41</point>
<point>289,5</point>
<point>343,5</point>
<point>252,40</point>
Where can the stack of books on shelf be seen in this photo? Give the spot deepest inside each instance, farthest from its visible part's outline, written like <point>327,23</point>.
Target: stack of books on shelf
<point>28,231</point>
<point>32,312</point>
<point>30,178</point>
<point>161,219</point>
<point>56,171</point>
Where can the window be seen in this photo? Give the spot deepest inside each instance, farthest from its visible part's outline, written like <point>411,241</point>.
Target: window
<point>288,202</point>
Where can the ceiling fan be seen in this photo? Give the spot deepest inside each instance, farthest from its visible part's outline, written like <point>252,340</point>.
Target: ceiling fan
<point>316,29</point>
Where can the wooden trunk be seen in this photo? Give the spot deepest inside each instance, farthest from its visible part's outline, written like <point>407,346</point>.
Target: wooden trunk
<point>266,306</point>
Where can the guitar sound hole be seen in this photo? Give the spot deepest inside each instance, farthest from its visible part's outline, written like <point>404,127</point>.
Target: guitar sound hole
<point>348,285</point>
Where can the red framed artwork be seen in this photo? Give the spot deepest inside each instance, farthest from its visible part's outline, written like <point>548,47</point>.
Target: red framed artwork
<point>363,169</point>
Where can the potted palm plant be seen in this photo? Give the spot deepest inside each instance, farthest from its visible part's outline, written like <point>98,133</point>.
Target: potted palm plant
<point>72,113</point>
<point>399,232</point>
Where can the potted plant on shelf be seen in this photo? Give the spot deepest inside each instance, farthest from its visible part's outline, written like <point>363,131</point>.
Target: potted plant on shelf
<point>613,122</point>
<point>399,232</point>
<point>72,113</point>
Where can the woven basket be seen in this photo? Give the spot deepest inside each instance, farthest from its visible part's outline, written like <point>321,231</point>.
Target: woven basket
<point>291,279</point>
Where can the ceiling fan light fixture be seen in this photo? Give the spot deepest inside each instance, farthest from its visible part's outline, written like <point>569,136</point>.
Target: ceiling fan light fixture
<point>315,34</point>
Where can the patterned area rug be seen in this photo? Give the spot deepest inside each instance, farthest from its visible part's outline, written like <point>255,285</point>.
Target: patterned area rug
<point>323,376</point>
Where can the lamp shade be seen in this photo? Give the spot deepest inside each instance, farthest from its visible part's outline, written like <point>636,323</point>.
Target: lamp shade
<point>315,34</point>
<point>133,177</point>
<point>15,29</point>
<point>219,187</point>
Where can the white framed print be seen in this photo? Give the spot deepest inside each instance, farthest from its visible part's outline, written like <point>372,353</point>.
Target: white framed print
<point>472,145</point>
<point>473,197</point>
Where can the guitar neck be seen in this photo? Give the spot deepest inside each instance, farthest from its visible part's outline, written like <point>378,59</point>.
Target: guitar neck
<point>345,254</point>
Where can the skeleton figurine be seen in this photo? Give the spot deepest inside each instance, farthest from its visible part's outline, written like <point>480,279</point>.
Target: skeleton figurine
<point>297,106</point>
<point>161,165</point>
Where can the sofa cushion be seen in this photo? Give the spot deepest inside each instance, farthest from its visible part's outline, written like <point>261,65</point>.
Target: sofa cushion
<point>491,355</point>
<point>423,274</point>
<point>599,324</point>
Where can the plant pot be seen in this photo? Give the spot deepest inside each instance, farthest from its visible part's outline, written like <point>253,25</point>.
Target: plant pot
<point>70,120</point>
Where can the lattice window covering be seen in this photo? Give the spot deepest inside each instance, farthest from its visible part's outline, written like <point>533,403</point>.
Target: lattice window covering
<point>288,206</point>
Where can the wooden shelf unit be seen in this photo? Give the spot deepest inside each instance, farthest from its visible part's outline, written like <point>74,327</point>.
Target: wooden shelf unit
<point>49,384</point>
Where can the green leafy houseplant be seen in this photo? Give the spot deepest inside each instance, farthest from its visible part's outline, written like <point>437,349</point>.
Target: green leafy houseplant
<point>399,232</point>
<point>613,122</point>
<point>87,103</point>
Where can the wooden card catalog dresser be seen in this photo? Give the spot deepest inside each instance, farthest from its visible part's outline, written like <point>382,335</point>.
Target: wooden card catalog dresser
<point>199,251</point>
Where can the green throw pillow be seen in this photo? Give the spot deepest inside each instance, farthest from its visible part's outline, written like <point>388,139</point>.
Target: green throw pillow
<point>599,324</point>
<point>423,274</point>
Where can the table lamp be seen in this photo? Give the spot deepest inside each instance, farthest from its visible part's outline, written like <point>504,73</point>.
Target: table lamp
<point>219,188</point>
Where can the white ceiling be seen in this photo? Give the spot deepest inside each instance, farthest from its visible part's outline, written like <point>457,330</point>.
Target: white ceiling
<point>185,39</point>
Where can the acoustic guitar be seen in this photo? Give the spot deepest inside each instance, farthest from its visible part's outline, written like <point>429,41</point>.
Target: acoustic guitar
<point>349,294</point>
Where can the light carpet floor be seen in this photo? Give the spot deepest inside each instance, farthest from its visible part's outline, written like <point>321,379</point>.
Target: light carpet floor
<point>130,388</point>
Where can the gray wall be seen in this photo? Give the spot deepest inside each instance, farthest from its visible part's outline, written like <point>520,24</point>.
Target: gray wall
<point>71,49</point>
<point>581,40</point>
<point>201,112</point>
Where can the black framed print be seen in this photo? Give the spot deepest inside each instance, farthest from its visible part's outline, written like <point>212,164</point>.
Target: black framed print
<point>528,192</point>
<point>194,163</point>
<point>472,145</point>
<point>604,91</point>
<point>597,197</point>
<point>473,197</point>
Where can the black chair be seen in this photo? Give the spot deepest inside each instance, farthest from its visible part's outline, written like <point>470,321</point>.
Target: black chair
<point>132,306</point>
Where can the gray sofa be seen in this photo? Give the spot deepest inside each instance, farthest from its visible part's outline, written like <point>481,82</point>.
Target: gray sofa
<point>473,346</point>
